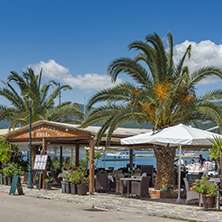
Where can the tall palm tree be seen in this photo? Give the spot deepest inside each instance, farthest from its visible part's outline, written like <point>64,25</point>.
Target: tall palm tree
<point>29,85</point>
<point>44,108</point>
<point>164,95</point>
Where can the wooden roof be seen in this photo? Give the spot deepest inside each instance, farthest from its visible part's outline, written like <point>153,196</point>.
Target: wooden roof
<point>64,133</point>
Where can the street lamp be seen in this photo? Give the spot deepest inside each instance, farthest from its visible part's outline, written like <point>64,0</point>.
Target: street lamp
<point>30,104</point>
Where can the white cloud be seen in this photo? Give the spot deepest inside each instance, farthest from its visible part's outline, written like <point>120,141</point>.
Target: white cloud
<point>205,53</point>
<point>51,69</point>
<point>87,82</point>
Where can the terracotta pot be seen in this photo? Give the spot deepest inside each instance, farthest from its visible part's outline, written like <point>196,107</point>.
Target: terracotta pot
<point>208,202</point>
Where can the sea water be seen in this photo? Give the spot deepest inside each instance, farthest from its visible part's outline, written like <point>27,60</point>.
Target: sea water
<point>119,164</point>
<point>142,160</point>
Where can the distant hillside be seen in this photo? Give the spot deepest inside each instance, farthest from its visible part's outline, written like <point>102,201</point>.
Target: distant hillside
<point>202,125</point>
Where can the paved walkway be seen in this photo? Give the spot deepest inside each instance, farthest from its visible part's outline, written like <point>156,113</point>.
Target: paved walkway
<point>111,201</point>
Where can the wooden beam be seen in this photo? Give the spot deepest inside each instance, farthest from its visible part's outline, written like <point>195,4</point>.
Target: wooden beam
<point>91,167</point>
<point>44,145</point>
<point>77,155</point>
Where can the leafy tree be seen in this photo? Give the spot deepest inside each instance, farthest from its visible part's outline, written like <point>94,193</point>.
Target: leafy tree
<point>30,85</point>
<point>216,153</point>
<point>162,93</point>
<point>44,108</point>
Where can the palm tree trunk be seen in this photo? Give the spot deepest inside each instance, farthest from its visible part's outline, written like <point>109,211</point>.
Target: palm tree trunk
<point>165,166</point>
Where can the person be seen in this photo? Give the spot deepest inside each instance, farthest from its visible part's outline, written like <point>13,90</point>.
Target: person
<point>201,160</point>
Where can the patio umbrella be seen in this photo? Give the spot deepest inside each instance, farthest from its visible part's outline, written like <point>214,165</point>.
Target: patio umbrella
<point>174,136</point>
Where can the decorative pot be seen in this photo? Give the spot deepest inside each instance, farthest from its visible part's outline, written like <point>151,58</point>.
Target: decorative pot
<point>63,186</point>
<point>5,182</point>
<point>1,176</point>
<point>47,186</point>
<point>67,184</point>
<point>208,202</point>
<point>73,188</point>
<point>9,181</point>
<point>82,189</point>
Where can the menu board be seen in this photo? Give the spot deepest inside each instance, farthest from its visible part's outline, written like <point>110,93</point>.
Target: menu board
<point>40,162</point>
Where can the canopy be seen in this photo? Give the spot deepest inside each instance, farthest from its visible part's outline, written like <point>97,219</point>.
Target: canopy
<point>174,135</point>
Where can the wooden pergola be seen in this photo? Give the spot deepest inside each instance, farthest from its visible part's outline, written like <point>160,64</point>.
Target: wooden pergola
<point>62,134</point>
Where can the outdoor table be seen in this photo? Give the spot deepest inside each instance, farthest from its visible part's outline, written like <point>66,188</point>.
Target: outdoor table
<point>128,183</point>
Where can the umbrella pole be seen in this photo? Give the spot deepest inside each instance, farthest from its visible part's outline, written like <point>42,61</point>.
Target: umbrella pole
<point>178,201</point>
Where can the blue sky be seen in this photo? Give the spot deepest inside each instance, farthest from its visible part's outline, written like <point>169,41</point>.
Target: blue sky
<point>75,41</point>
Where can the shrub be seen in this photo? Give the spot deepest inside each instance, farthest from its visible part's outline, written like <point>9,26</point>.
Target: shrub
<point>203,187</point>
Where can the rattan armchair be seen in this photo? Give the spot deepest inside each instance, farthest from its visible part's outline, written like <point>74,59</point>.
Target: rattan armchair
<point>141,188</point>
<point>101,182</point>
<point>191,195</point>
<point>120,185</point>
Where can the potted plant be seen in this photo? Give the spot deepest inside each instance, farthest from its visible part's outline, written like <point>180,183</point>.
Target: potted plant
<point>74,180</point>
<point>207,190</point>
<point>12,169</point>
<point>48,183</point>
<point>83,180</point>
<point>66,183</point>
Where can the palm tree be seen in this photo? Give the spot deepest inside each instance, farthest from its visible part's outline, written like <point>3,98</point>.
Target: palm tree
<point>43,108</point>
<point>164,95</point>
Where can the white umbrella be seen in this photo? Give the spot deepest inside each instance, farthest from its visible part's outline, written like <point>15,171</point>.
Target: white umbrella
<point>174,135</point>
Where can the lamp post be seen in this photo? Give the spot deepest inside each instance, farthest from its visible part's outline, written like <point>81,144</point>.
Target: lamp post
<point>30,104</point>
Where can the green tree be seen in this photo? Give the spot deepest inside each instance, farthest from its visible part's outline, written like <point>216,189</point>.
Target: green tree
<point>44,108</point>
<point>163,93</point>
<point>30,85</point>
<point>216,153</point>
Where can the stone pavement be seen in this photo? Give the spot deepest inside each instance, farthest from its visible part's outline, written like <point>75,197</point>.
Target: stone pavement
<point>111,201</point>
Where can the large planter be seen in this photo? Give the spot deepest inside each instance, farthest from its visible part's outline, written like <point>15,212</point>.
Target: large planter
<point>5,182</point>
<point>73,188</point>
<point>47,186</point>
<point>208,202</point>
<point>1,178</point>
<point>63,185</point>
<point>67,183</point>
<point>9,181</point>
<point>82,189</point>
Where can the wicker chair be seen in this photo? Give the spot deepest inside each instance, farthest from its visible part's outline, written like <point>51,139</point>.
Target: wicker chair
<point>101,182</point>
<point>191,195</point>
<point>148,169</point>
<point>120,185</point>
<point>141,188</point>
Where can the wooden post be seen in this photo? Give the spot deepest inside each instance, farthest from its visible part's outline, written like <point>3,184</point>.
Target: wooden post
<point>77,155</point>
<point>131,159</point>
<point>91,167</point>
<point>44,144</point>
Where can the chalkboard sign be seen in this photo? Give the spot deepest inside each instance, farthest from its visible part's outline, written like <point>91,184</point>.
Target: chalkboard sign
<point>40,162</point>
<point>16,183</point>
